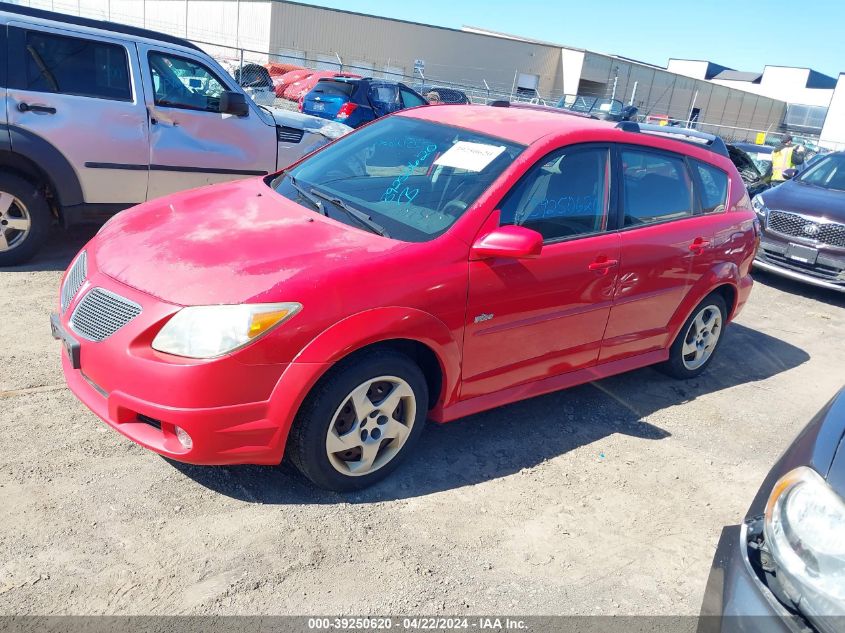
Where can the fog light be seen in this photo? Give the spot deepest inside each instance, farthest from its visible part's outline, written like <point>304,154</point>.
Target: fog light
<point>184,439</point>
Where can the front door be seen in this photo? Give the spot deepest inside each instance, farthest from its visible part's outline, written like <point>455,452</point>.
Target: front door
<point>81,95</point>
<point>191,142</point>
<point>529,319</point>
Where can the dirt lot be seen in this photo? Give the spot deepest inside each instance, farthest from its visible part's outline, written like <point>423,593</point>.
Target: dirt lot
<point>608,498</point>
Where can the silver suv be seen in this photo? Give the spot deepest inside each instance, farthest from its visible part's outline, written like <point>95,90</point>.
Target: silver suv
<point>96,117</point>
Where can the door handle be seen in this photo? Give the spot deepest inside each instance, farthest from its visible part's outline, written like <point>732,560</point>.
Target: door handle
<point>698,245</point>
<point>603,265</point>
<point>23,106</point>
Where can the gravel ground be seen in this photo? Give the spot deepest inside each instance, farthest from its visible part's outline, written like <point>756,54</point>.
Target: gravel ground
<point>604,499</point>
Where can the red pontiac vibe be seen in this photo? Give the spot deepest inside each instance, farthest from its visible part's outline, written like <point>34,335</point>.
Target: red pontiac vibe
<point>436,263</point>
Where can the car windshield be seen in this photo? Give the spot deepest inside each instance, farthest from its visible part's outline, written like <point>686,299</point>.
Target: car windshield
<point>829,172</point>
<point>412,178</point>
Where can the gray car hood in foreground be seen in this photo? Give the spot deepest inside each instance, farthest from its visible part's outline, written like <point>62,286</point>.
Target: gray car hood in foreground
<point>329,129</point>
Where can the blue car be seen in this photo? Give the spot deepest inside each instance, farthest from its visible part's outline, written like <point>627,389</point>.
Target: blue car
<point>354,102</point>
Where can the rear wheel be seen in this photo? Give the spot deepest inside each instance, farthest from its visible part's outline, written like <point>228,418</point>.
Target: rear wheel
<point>698,339</point>
<point>24,219</point>
<point>360,421</point>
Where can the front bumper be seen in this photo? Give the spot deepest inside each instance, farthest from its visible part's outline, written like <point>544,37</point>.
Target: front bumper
<point>234,413</point>
<point>827,272</point>
<point>735,600</point>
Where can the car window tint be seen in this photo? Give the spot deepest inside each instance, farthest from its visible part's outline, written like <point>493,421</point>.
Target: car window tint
<point>714,187</point>
<point>179,82</point>
<point>564,195</point>
<point>386,97</point>
<point>656,187</point>
<point>75,66</point>
<point>411,100</point>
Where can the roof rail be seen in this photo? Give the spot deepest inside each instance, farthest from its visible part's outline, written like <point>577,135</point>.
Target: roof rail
<point>96,24</point>
<point>694,137</point>
<point>503,103</point>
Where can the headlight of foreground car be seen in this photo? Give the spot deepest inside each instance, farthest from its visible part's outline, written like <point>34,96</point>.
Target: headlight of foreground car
<point>211,331</point>
<point>804,527</point>
<point>759,206</point>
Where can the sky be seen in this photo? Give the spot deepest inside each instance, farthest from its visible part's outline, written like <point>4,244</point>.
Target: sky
<point>740,34</point>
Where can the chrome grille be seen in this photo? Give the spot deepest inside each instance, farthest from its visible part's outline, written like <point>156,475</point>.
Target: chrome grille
<point>785,223</point>
<point>74,279</point>
<point>101,313</point>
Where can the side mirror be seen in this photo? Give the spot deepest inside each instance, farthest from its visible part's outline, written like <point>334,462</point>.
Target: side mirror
<point>790,173</point>
<point>514,242</point>
<point>233,103</point>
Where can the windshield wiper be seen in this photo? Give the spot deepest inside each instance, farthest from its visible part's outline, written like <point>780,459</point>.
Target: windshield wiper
<point>304,193</point>
<point>352,212</point>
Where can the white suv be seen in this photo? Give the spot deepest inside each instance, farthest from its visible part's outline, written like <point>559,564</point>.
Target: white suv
<point>96,117</point>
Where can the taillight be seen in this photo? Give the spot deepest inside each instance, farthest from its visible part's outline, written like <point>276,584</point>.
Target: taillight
<point>346,110</point>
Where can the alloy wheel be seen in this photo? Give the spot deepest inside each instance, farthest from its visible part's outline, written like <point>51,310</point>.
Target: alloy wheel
<point>371,425</point>
<point>15,222</point>
<point>701,337</point>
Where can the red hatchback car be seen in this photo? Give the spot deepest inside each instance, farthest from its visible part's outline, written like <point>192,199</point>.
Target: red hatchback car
<point>433,264</point>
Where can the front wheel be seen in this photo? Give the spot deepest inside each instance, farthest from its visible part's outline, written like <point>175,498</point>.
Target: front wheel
<point>698,339</point>
<point>360,421</point>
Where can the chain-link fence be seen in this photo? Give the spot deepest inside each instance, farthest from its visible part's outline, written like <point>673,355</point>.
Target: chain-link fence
<point>242,36</point>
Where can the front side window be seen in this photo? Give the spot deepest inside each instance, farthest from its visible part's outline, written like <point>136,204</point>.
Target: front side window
<point>410,100</point>
<point>656,187</point>
<point>75,66</point>
<point>565,195</point>
<point>179,82</point>
<point>714,187</point>
<point>413,178</point>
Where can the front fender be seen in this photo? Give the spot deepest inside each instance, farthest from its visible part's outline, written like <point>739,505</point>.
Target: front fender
<point>383,324</point>
<point>718,275</point>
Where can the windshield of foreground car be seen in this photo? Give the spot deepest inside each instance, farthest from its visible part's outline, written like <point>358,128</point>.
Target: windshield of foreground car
<point>413,178</point>
<point>828,172</point>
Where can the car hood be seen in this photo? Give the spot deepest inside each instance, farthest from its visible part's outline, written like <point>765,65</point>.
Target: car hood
<point>799,198</point>
<point>227,244</point>
<point>820,445</point>
<point>329,129</point>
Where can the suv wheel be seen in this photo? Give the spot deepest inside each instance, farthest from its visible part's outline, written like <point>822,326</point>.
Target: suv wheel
<point>24,219</point>
<point>698,339</point>
<point>359,422</point>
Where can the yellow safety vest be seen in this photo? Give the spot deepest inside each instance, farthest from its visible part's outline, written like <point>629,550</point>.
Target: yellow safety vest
<point>781,159</point>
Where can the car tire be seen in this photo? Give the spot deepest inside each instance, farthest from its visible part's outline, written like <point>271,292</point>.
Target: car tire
<point>25,219</point>
<point>699,338</point>
<point>371,408</point>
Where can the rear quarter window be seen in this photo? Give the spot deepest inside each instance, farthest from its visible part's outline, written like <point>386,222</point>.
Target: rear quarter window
<point>713,187</point>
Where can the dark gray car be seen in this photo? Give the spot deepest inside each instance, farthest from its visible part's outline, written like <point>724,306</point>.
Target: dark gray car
<point>803,222</point>
<point>783,569</point>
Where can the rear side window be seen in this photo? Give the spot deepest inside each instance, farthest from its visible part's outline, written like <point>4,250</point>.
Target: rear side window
<point>385,97</point>
<point>657,187</point>
<point>75,66</point>
<point>564,195</point>
<point>714,187</point>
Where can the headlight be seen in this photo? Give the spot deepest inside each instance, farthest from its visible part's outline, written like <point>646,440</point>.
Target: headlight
<point>804,527</point>
<point>210,331</point>
<point>759,206</point>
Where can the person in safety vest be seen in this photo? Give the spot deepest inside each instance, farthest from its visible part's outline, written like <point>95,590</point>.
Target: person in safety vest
<point>785,156</point>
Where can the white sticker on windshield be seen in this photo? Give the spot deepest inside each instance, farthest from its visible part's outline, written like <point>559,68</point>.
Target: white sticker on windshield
<point>469,156</point>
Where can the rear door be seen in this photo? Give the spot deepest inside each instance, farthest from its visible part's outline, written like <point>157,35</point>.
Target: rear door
<point>384,98</point>
<point>191,142</point>
<point>529,319</point>
<point>666,247</point>
<point>82,95</point>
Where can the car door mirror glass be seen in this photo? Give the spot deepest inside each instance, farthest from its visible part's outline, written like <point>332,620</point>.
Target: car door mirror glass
<point>515,242</point>
<point>233,103</point>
